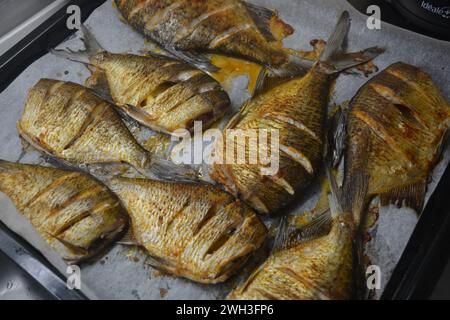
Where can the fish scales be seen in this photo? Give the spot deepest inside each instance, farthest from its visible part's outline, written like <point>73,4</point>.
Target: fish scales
<point>296,111</point>
<point>396,125</point>
<point>300,121</point>
<point>74,213</point>
<point>318,269</point>
<point>164,95</point>
<point>193,231</point>
<point>70,122</point>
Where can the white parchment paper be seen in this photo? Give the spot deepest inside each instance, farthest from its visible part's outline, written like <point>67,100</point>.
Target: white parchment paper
<point>122,273</point>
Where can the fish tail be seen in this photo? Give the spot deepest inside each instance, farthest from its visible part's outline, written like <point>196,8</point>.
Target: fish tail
<point>334,60</point>
<point>92,47</point>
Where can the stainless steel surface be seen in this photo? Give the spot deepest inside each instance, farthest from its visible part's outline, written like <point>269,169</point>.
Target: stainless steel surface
<point>16,284</point>
<point>20,17</point>
<point>46,277</point>
<point>13,12</point>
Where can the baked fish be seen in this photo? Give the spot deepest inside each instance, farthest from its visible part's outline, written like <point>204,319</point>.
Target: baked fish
<point>192,231</point>
<point>71,123</point>
<point>307,264</point>
<point>394,131</point>
<point>73,212</point>
<point>302,268</point>
<point>297,110</point>
<point>159,92</point>
<point>237,28</point>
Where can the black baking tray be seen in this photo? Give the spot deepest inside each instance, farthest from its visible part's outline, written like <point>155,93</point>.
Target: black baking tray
<point>428,250</point>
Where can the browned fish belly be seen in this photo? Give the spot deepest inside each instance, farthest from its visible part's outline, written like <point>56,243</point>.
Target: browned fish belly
<point>73,212</point>
<point>192,231</point>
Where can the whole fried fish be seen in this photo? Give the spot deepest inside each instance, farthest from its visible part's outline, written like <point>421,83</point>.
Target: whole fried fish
<point>192,231</point>
<point>297,110</point>
<point>159,92</point>
<point>308,265</point>
<point>73,212</point>
<point>71,123</point>
<point>186,28</point>
<point>395,128</point>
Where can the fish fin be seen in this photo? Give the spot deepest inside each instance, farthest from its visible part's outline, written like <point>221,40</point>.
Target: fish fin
<point>196,59</point>
<point>138,115</point>
<point>289,235</point>
<point>360,288</point>
<point>160,264</point>
<point>92,47</point>
<point>166,170</point>
<point>411,196</point>
<point>337,134</point>
<point>99,83</point>
<point>90,42</point>
<point>78,56</point>
<point>355,195</point>
<point>352,197</point>
<point>332,60</point>
<point>128,239</point>
<point>236,118</point>
<point>262,18</point>
<point>260,82</point>
<point>295,66</point>
<point>338,37</point>
<point>159,55</point>
<point>347,61</point>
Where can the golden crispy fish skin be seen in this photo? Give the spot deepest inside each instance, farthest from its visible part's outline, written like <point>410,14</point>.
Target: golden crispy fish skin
<point>71,123</point>
<point>159,92</point>
<point>297,109</point>
<point>318,269</point>
<point>395,128</point>
<point>193,231</point>
<point>230,27</point>
<point>164,95</point>
<point>73,212</point>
